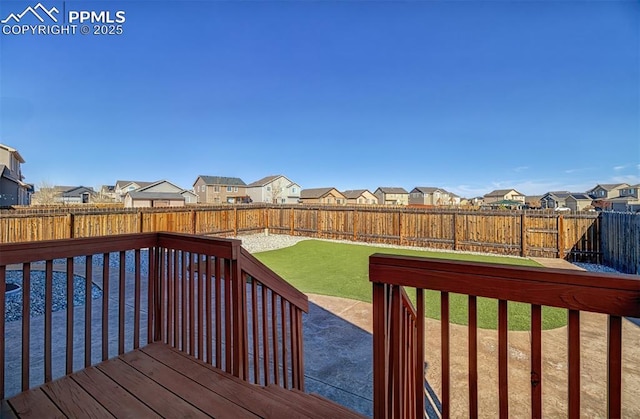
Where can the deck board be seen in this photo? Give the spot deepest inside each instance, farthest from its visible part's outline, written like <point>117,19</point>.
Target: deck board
<point>226,385</point>
<point>186,388</point>
<point>35,404</point>
<point>73,400</point>
<point>160,381</point>
<point>113,397</point>
<point>148,391</point>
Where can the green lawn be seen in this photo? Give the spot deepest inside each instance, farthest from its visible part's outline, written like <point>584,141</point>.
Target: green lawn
<point>341,269</point>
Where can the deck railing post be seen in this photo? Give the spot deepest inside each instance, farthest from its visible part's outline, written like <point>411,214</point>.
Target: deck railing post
<point>239,333</point>
<point>380,360</point>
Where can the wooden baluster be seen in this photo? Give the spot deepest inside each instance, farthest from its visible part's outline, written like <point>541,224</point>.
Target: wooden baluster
<point>614,367</point>
<point>536,361</point>
<point>88,263</point>
<point>503,359</point>
<point>574,364</point>
<point>473,356</point>
<point>446,363</point>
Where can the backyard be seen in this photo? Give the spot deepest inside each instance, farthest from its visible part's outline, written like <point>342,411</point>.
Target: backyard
<point>341,270</point>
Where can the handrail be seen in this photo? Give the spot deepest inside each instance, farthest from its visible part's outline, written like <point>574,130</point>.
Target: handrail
<point>26,252</point>
<point>196,296</point>
<point>614,295</point>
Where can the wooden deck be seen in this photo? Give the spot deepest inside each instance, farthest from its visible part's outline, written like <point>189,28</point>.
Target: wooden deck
<point>160,381</point>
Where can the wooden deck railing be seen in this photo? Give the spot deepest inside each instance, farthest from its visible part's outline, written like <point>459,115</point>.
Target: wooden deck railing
<point>188,291</point>
<point>614,295</point>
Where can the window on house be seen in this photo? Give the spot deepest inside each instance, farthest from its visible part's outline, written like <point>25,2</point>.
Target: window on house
<point>268,188</point>
<point>235,189</point>
<point>293,190</point>
<point>216,188</point>
<point>229,189</point>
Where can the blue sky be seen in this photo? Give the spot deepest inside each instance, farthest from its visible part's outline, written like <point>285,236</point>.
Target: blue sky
<point>467,95</point>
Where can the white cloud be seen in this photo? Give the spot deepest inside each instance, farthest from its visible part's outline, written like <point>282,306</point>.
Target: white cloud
<point>618,168</point>
<point>630,179</point>
<point>521,169</point>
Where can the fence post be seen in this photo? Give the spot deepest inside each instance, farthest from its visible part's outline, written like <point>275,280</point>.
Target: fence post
<point>523,234</point>
<point>355,224</point>
<point>193,222</point>
<point>560,237</point>
<point>400,225</point>
<point>70,225</point>
<point>292,220</point>
<point>235,221</point>
<point>455,231</point>
<point>140,221</point>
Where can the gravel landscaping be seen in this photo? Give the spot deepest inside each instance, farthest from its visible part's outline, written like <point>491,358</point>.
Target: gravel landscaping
<point>13,301</point>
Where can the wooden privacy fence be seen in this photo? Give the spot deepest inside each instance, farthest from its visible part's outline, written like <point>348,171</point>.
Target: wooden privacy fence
<point>620,236</point>
<point>522,233</point>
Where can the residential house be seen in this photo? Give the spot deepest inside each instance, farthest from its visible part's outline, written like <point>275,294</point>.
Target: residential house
<point>13,191</point>
<point>578,202</point>
<point>428,195</point>
<point>477,201</point>
<point>75,195</point>
<point>275,189</point>
<point>554,199</point>
<point>606,191</point>
<point>109,192</point>
<point>220,190</point>
<point>504,196</point>
<point>158,194</point>
<point>330,196</point>
<point>392,196</point>
<point>360,197</point>
<point>189,196</point>
<point>629,199</point>
<point>602,194</point>
<point>123,186</point>
<point>454,200</point>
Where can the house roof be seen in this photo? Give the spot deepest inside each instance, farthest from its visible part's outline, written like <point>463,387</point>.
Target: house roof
<point>608,186</point>
<point>427,189</point>
<point>264,181</point>
<point>151,185</point>
<point>558,194</point>
<point>77,191</point>
<point>156,195</point>
<point>123,183</point>
<point>580,196</point>
<point>316,192</point>
<point>354,193</point>
<point>501,192</point>
<point>221,180</point>
<point>13,151</point>
<point>390,189</point>
<point>109,188</point>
